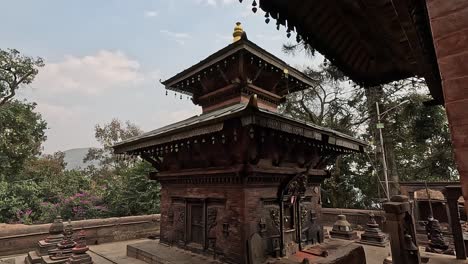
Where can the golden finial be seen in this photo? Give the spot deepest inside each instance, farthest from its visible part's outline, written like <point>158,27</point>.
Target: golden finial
<point>237,32</point>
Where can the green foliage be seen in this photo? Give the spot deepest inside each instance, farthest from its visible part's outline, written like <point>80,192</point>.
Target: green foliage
<point>16,70</point>
<point>21,135</point>
<point>422,142</point>
<point>108,135</point>
<point>19,201</point>
<point>416,137</point>
<point>37,188</point>
<point>133,193</point>
<point>123,184</point>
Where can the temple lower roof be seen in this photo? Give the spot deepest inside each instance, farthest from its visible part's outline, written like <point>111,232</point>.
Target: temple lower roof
<point>212,122</point>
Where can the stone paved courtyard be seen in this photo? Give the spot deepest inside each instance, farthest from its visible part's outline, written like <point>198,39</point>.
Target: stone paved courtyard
<point>116,253</point>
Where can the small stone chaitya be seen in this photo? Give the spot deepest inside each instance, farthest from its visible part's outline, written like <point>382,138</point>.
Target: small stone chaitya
<point>79,255</point>
<point>43,246</point>
<point>64,247</point>
<point>342,229</point>
<point>240,180</point>
<point>372,234</point>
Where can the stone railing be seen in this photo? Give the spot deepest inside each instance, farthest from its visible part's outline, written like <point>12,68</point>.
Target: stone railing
<point>356,217</point>
<point>16,239</point>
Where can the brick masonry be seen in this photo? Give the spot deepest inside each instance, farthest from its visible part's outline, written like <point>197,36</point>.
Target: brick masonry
<point>16,239</point>
<point>242,208</point>
<point>449,24</point>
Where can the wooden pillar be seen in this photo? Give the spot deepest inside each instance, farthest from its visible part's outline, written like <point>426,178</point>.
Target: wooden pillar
<point>400,227</point>
<point>452,193</point>
<point>449,25</point>
<point>282,248</point>
<point>449,217</point>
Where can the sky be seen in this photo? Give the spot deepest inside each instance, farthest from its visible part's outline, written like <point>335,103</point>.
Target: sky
<point>105,59</point>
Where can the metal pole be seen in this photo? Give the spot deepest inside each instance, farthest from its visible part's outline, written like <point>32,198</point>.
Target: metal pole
<point>384,161</point>
<point>430,201</point>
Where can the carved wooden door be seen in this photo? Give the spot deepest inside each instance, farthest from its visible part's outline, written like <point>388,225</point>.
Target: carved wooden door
<point>196,223</point>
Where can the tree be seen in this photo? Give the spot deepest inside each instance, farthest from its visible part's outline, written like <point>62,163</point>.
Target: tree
<point>22,132</point>
<point>416,137</point>
<point>16,70</point>
<point>109,135</point>
<point>134,193</point>
<point>123,184</point>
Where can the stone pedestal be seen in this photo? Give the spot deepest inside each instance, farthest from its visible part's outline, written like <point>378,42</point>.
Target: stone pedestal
<point>400,227</point>
<point>342,229</point>
<point>373,235</point>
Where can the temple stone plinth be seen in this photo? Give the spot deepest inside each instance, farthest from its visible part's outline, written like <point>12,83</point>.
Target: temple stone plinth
<point>342,229</point>
<point>43,246</point>
<point>372,234</point>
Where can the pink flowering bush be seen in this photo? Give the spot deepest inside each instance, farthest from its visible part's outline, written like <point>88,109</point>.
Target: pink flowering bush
<point>81,205</point>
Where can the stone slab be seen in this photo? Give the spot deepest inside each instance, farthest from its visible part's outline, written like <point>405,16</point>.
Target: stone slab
<point>154,252</point>
<point>32,258</point>
<point>339,252</point>
<point>48,260</point>
<point>7,261</point>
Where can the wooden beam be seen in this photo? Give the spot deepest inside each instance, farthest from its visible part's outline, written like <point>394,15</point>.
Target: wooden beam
<point>153,162</point>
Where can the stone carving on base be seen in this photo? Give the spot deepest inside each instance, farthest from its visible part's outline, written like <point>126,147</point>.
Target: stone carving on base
<point>342,229</point>
<point>372,234</point>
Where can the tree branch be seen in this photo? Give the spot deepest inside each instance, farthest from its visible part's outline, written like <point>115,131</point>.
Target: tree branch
<point>14,86</point>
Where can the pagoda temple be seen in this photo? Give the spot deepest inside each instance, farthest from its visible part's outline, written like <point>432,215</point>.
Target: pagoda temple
<point>241,180</point>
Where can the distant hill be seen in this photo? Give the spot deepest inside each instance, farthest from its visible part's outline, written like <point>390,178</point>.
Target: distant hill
<point>74,159</point>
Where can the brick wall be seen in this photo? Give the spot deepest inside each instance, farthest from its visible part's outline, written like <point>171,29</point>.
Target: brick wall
<point>15,239</point>
<point>354,216</point>
<point>449,24</point>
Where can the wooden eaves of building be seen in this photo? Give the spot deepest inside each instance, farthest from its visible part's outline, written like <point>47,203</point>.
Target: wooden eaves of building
<point>379,41</point>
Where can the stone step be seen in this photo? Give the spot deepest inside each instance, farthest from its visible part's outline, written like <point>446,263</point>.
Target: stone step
<point>32,258</point>
<point>153,252</point>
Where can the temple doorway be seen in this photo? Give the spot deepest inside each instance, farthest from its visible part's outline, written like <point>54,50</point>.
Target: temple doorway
<point>195,225</point>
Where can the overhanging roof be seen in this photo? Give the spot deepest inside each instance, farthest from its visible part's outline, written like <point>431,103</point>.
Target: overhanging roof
<point>372,41</point>
<point>213,122</point>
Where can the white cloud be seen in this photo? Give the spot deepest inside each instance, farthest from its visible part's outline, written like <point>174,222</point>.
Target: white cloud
<point>177,36</point>
<point>215,2</point>
<point>90,75</point>
<point>151,13</point>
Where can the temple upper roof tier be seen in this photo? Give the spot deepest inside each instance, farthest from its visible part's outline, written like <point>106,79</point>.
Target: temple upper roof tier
<point>232,74</point>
